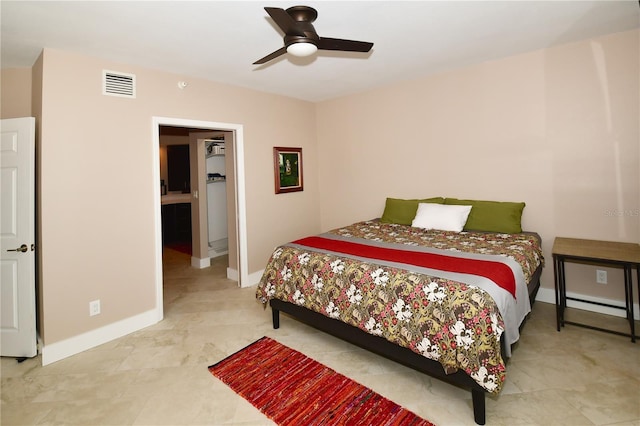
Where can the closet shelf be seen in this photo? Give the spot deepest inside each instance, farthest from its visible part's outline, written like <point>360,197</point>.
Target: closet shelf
<point>214,147</point>
<point>216,180</point>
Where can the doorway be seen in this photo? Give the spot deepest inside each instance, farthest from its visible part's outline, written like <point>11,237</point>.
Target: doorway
<point>181,165</point>
<point>237,251</point>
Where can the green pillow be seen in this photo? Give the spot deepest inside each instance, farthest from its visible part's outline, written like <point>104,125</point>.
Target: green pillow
<point>402,212</point>
<point>492,216</point>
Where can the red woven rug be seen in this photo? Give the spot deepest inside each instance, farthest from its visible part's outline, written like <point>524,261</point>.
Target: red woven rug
<point>293,389</point>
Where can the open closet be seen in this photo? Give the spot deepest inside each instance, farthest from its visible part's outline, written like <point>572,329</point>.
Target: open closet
<point>218,237</point>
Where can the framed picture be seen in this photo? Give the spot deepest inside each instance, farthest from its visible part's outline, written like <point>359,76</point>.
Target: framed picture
<point>287,169</point>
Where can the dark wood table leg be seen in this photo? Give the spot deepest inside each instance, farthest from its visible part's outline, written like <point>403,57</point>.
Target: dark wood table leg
<point>563,289</point>
<point>556,276</point>
<point>638,277</point>
<point>628,290</point>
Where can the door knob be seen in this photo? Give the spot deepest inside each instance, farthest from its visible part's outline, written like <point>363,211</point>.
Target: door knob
<point>23,248</point>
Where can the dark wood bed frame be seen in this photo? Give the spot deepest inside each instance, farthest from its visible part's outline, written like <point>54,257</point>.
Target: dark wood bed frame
<point>392,351</point>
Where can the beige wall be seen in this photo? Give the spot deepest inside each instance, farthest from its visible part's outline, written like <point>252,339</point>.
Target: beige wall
<point>15,101</point>
<point>97,238</point>
<point>556,128</point>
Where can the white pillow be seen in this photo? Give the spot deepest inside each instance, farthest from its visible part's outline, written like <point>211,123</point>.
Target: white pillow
<point>445,217</point>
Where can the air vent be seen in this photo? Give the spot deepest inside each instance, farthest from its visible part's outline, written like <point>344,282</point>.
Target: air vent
<point>118,84</point>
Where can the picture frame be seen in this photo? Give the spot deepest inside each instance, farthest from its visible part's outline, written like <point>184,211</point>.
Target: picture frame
<point>287,164</point>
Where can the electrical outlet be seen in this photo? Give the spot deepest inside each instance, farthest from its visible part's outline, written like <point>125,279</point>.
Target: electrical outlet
<point>601,276</point>
<point>94,307</point>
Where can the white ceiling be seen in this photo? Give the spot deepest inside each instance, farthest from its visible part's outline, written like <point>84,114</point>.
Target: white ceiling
<point>219,40</point>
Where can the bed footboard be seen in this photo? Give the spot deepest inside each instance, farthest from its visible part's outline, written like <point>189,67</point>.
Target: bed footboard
<point>384,348</point>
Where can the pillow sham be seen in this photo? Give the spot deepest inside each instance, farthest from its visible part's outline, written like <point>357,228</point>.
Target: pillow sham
<point>441,216</point>
<point>402,212</point>
<point>492,216</point>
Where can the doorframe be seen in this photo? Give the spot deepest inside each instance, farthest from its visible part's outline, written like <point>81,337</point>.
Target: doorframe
<point>241,215</point>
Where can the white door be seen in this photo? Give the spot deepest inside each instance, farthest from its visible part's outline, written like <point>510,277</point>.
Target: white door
<point>17,235</point>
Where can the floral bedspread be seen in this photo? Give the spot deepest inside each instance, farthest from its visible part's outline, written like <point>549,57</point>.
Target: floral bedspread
<point>524,248</point>
<point>456,324</point>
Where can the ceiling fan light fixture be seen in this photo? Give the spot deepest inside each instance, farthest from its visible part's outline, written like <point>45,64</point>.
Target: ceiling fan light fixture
<point>302,49</point>
<point>301,38</point>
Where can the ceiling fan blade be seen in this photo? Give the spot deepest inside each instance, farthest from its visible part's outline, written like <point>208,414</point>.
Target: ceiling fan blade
<point>327,43</point>
<point>286,23</point>
<point>271,56</point>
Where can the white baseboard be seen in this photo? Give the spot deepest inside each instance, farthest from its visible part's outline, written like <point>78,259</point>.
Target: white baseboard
<point>253,279</point>
<point>232,274</point>
<point>74,345</point>
<point>200,263</point>
<point>548,295</point>
<point>213,253</point>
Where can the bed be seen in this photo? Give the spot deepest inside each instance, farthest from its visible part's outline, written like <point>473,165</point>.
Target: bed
<point>446,302</point>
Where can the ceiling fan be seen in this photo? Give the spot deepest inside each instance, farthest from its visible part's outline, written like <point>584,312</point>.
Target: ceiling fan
<point>301,39</point>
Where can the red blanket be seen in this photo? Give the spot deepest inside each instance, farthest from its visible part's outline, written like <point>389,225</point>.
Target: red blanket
<point>497,272</point>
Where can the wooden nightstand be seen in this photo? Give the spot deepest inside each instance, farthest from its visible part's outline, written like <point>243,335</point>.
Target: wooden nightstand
<point>626,255</point>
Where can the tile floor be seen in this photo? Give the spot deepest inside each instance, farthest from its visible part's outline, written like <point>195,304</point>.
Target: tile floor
<point>158,376</point>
